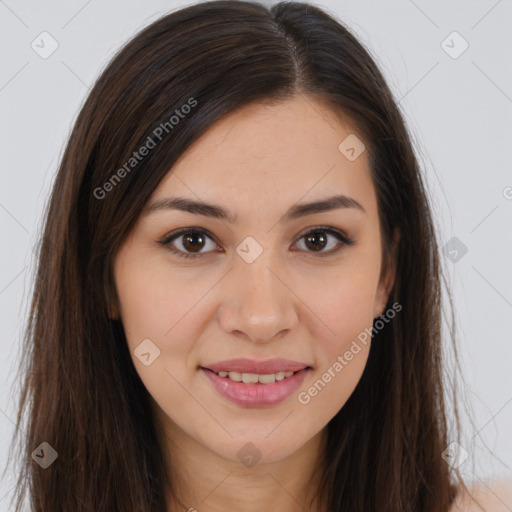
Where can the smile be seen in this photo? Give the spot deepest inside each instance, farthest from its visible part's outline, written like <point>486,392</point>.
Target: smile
<point>254,378</point>
<point>255,383</point>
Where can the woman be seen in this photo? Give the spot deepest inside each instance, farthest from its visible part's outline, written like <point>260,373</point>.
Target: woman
<point>238,295</point>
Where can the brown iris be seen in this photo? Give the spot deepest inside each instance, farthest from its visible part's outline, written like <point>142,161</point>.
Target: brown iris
<point>315,238</point>
<point>190,241</point>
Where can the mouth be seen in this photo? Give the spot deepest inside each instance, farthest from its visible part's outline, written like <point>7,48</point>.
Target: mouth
<point>254,378</point>
<point>250,383</point>
<point>252,366</point>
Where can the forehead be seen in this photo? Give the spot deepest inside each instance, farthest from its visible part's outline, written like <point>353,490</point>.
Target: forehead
<point>261,156</point>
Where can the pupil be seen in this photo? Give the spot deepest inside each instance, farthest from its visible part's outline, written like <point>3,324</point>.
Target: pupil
<point>189,240</point>
<point>315,237</point>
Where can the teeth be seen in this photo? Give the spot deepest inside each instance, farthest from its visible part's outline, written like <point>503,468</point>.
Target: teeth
<point>237,377</point>
<point>269,378</point>
<point>249,378</point>
<point>254,378</point>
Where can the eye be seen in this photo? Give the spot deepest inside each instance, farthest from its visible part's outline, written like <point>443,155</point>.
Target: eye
<point>193,239</point>
<point>317,239</point>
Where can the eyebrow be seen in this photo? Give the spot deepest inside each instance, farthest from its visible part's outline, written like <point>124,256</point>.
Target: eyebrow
<point>218,212</point>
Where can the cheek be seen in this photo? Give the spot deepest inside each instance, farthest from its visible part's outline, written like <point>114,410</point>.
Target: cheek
<point>156,307</point>
<point>345,303</point>
<point>164,307</point>
<point>344,300</point>
<point>341,354</point>
<point>144,309</point>
<point>153,303</point>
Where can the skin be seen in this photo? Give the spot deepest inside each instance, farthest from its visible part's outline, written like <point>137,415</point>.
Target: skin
<point>290,303</point>
<point>493,496</point>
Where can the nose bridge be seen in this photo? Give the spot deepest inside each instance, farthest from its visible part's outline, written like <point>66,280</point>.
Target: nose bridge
<point>259,293</point>
<point>261,305</point>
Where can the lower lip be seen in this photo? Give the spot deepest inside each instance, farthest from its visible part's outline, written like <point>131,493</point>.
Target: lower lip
<point>256,395</point>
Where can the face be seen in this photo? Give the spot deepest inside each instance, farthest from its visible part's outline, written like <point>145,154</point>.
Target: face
<point>266,290</point>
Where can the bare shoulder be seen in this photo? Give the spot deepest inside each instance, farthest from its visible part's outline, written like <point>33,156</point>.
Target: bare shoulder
<point>493,496</point>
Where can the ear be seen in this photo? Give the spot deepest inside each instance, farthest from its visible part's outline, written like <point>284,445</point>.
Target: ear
<point>387,278</point>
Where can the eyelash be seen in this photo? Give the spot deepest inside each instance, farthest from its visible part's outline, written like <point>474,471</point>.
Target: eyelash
<point>343,239</point>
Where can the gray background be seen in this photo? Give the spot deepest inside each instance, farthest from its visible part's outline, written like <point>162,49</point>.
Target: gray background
<point>457,109</point>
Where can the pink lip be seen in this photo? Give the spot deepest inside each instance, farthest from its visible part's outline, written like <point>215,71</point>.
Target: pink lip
<point>256,395</point>
<point>259,367</point>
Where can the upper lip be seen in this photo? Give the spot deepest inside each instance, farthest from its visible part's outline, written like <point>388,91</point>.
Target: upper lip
<point>259,367</point>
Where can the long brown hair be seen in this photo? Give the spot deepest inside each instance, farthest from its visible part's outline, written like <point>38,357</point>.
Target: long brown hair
<point>82,391</point>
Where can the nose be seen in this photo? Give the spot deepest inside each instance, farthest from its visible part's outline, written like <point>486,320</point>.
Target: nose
<point>259,305</point>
